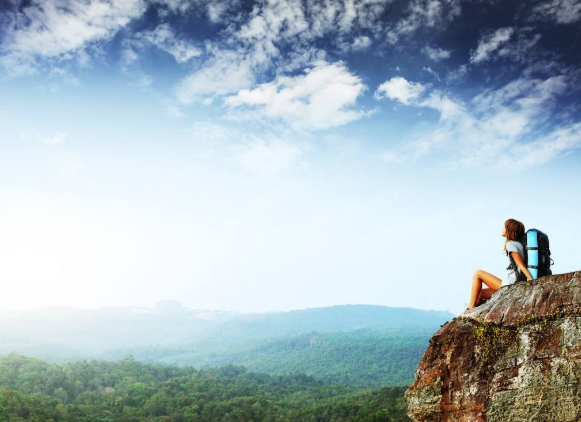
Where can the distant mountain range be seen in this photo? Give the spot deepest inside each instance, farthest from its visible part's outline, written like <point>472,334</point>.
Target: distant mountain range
<point>362,344</point>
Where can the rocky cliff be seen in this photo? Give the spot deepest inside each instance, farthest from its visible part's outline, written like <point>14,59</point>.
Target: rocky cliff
<point>516,357</point>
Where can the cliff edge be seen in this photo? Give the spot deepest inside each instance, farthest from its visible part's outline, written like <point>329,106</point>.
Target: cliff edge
<point>516,357</point>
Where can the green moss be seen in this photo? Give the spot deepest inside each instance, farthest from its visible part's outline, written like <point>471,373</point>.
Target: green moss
<point>494,340</point>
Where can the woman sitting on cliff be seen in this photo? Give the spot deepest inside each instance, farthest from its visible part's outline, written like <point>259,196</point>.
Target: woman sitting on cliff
<point>513,230</point>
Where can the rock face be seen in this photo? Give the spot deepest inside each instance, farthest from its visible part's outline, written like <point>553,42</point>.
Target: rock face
<point>514,358</point>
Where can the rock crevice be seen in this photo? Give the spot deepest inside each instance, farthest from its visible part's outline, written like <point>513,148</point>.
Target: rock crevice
<point>516,357</point>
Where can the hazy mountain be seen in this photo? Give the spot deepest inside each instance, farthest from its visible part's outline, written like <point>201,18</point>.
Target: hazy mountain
<point>90,332</point>
<point>360,344</point>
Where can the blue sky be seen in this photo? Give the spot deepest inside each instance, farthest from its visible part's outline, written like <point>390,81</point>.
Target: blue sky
<point>277,155</point>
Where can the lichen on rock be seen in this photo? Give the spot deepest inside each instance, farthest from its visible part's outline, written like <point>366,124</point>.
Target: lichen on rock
<point>516,357</point>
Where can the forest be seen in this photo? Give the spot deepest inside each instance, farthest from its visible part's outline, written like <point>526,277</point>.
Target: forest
<point>126,390</point>
<point>361,358</point>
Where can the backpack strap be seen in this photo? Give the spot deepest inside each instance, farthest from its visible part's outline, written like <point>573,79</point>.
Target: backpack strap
<point>520,276</point>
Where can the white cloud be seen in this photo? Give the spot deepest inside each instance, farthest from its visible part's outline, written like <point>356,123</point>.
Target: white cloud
<point>457,74</point>
<point>346,17</point>
<point>172,109</point>
<point>129,63</point>
<point>561,11</point>
<point>249,50</point>
<point>267,156</point>
<point>431,72</point>
<point>55,139</point>
<point>208,133</point>
<point>526,93</point>
<point>436,54</point>
<point>424,14</point>
<point>296,60</point>
<point>222,75</point>
<point>65,75</point>
<point>229,69</point>
<point>398,88</point>
<point>323,97</point>
<point>216,11</point>
<point>164,38</point>
<point>61,29</point>
<point>176,6</point>
<point>563,140</point>
<point>128,57</point>
<point>361,43</point>
<point>498,126</point>
<point>513,44</point>
<point>59,77</point>
<point>490,43</point>
<point>161,37</point>
<point>256,154</point>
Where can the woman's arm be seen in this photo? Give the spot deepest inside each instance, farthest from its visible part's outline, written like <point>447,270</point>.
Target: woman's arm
<point>521,265</point>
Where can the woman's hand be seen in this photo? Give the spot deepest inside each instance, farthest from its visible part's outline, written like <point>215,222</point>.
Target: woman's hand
<point>521,265</point>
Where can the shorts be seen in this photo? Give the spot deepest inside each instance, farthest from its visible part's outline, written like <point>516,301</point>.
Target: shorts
<point>507,282</point>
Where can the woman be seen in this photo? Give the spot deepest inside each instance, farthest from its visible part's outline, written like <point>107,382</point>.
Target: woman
<point>513,230</point>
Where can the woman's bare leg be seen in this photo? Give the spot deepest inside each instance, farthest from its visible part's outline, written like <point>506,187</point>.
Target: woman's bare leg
<point>482,277</point>
<point>484,294</point>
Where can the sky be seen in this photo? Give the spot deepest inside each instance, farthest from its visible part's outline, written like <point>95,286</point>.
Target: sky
<point>280,154</point>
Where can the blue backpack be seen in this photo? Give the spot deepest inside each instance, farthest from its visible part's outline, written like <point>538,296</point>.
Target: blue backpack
<point>537,255</point>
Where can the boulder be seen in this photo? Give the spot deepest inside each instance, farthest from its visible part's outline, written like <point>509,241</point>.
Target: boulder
<point>517,357</point>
